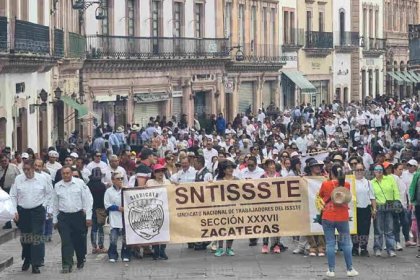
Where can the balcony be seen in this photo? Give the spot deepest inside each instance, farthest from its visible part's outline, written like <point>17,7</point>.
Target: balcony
<point>294,40</point>
<point>373,47</point>
<point>31,38</point>
<point>122,47</point>
<point>347,41</point>
<point>58,43</point>
<point>318,43</point>
<point>3,34</point>
<point>77,46</point>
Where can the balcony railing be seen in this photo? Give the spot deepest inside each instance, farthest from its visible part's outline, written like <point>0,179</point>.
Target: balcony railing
<point>293,39</point>
<point>58,43</point>
<point>319,40</point>
<point>3,34</point>
<point>99,46</point>
<point>347,39</point>
<point>31,38</point>
<point>373,44</point>
<point>76,46</point>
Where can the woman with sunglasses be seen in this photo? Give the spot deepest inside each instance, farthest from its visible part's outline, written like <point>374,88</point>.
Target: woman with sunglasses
<point>385,188</point>
<point>158,179</point>
<point>170,165</point>
<point>366,209</point>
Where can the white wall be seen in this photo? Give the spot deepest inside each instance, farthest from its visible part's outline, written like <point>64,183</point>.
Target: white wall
<point>34,82</point>
<point>337,6</point>
<point>287,4</point>
<point>210,15</point>
<point>120,18</point>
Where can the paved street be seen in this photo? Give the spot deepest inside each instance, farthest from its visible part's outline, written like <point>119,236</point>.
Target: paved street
<point>189,264</point>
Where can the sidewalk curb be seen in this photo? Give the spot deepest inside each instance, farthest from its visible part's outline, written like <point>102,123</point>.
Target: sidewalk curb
<point>8,235</point>
<point>6,263</point>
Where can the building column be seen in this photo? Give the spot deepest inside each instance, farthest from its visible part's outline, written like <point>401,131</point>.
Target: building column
<point>221,95</point>
<point>258,96</point>
<point>235,96</point>
<point>278,95</point>
<point>130,106</point>
<point>187,101</point>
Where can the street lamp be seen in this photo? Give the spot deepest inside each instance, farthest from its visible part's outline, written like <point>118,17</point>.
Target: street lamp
<point>58,92</point>
<point>239,56</point>
<point>43,95</point>
<point>82,5</point>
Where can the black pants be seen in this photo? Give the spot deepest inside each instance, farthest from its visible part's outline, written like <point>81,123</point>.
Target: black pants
<point>73,233</point>
<point>364,216</point>
<point>417,213</point>
<point>31,224</point>
<point>402,221</point>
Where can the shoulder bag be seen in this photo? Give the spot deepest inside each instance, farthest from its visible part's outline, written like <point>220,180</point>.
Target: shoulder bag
<point>394,206</point>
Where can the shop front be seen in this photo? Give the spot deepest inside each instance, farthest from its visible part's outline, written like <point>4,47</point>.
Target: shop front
<point>149,105</point>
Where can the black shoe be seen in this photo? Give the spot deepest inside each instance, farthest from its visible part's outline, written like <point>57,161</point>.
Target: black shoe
<point>25,266</point>
<point>252,242</point>
<point>364,253</point>
<point>162,254</point>
<point>80,265</point>
<point>190,245</point>
<point>35,270</point>
<point>156,253</point>
<point>355,253</point>
<point>66,270</point>
<point>283,248</point>
<point>7,225</point>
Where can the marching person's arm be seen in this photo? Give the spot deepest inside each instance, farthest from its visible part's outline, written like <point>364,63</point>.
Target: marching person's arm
<point>13,197</point>
<point>395,190</point>
<point>87,200</point>
<point>109,205</point>
<point>48,203</point>
<point>55,209</point>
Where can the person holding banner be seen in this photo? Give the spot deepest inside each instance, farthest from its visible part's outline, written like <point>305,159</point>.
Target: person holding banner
<point>226,168</point>
<point>270,172</point>
<point>335,216</point>
<point>158,179</point>
<point>112,202</point>
<point>366,209</point>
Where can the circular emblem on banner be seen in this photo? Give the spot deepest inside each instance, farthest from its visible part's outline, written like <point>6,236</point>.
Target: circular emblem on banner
<point>146,217</point>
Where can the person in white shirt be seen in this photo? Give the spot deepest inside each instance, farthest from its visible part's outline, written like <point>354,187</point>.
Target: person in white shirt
<point>186,174</point>
<point>209,152</point>
<point>52,164</point>
<point>408,174</point>
<point>7,212</point>
<point>330,128</point>
<point>31,197</point>
<point>112,202</point>
<point>114,166</point>
<point>366,209</point>
<point>367,158</point>
<point>401,220</point>
<point>260,116</point>
<point>72,214</point>
<point>252,171</point>
<point>97,163</point>
<point>80,165</point>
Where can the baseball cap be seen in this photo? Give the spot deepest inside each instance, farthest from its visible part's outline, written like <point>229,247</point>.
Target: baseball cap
<point>53,154</point>
<point>386,164</point>
<point>413,162</point>
<point>74,155</point>
<point>25,156</point>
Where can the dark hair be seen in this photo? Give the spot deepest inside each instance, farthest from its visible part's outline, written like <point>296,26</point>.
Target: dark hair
<point>338,172</point>
<point>253,158</point>
<point>223,165</point>
<point>200,160</point>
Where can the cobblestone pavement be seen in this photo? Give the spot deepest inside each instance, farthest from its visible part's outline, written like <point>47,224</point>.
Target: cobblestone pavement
<point>185,263</point>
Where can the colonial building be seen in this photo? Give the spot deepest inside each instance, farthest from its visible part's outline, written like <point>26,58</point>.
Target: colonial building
<point>34,40</point>
<point>153,57</point>
<point>372,51</point>
<point>399,14</point>
<point>315,59</point>
<point>292,39</point>
<point>252,79</point>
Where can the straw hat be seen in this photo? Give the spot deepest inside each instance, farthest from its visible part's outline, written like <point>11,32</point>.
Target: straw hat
<point>341,195</point>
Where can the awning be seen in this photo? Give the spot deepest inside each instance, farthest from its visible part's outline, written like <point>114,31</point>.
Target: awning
<point>396,77</point>
<point>80,108</point>
<point>402,76</point>
<point>300,81</point>
<point>408,75</point>
<point>415,75</point>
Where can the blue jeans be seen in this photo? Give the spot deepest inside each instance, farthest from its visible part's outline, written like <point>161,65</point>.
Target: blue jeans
<point>344,242</point>
<point>402,221</point>
<point>48,227</point>
<point>96,233</point>
<point>383,225</point>
<point>112,251</point>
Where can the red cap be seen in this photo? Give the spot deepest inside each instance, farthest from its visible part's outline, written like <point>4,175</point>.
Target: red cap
<point>158,167</point>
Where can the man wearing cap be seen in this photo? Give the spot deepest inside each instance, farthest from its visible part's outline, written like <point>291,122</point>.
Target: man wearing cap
<point>31,194</point>
<point>144,170</point>
<point>407,175</point>
<point>8,173</point>
<point>52,163</point>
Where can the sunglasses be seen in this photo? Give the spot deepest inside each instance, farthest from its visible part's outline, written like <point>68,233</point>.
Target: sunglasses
<point>76,176</point>
<point>97,155</point>
<point>119,178</point>
<point>359,170</point>
<point>378,170</point>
